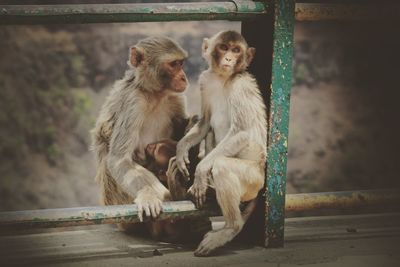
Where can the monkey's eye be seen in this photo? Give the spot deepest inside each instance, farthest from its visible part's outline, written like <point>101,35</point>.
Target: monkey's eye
<point>223,47</point>
<point>176,63</point>
<point>236,50</point>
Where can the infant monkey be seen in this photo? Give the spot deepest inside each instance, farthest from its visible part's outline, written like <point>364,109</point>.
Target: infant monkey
<point>234,113</point>
<point>158,155</point>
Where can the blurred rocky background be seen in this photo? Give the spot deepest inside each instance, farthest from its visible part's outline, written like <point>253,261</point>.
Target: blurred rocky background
<point>344,126</point>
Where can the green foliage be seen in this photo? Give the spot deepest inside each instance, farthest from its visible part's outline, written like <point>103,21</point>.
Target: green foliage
<point>37,71</point>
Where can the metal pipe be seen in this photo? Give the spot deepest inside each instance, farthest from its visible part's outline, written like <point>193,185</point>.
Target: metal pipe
<point>344,200</point>
<point>91,215</point>
<point>104,13</point>
<point>230,10</point>
<point>279,103</point>
<point>180,209</point>
<point>345,12</point>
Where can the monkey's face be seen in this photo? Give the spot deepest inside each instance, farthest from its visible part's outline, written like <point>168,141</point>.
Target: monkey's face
<point>227,53</point>
<point>173,76</point>
<point>159,64</point>
<point>161,152</point>
<point>228,56</point>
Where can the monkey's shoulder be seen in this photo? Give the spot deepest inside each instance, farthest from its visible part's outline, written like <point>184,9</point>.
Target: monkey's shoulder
<point>243,85</point>
<point>210,80</point>
<point>244,79</point>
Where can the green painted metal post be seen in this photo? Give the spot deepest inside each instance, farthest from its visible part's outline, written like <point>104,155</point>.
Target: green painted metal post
<point>279,120</point>
<point>272,68</point>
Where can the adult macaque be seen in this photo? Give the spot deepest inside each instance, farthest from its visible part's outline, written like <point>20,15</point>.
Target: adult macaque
<point>144,107</point>
<point>233,110</point>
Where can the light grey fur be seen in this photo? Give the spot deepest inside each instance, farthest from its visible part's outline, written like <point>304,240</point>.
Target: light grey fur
<point>233,110</point>
<point>137,112</point>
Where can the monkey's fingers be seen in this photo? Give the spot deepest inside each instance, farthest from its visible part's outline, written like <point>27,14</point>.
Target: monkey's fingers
<point>171,164</point>
<point>191,195</point>
<point>182,167</point>
<point>140,212</point>
<point>203,198</point>
<point>174,171</point>
<point>154,214</point>
<point>147,210</point>
<point>198,199</point>
<point>186,158</point>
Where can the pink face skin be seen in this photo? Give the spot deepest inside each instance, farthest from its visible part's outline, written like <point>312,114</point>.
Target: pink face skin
<point>178,81</point>
<point>229,57</point>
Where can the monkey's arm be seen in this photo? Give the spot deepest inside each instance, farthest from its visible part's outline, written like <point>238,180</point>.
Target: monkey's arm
<point>192,138</point>
<point>229,146</point>
<point>146,189</point>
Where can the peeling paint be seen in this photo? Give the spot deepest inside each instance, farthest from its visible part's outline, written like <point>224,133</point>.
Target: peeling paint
<point>279,120</point>
<point>132,12</point>
<point>183,209</point>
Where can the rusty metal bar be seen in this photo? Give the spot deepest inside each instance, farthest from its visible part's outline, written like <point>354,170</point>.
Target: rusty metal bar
<point>128,213</point>
<point>104,13</point>
<point>345,200</point>
<point>348,11</point>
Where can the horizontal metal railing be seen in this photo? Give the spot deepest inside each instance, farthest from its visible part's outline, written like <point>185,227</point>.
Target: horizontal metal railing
<point>347,11</point>
<point>94,13</point>
<point>348,200</point>
<point>236,10</point>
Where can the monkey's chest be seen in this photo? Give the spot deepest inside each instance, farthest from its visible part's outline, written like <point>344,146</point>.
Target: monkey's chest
<point>220,118</point>
<point>155,128</point>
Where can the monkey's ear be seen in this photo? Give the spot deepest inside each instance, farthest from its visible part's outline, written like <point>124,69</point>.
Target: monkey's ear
<point>204,46</point>
<point>251,51</point>
<point>136,56</point>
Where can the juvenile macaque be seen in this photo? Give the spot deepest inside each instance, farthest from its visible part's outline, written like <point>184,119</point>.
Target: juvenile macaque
<point>158,156</point>
<point>234,112</point>
<point>144,107</point>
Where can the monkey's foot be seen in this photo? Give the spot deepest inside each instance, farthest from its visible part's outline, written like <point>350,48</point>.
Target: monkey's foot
<point>214,240</point>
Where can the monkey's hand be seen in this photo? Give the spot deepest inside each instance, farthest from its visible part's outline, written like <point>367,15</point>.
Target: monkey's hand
<point>148,203</point>
<point>177,183</point>
<point>182,159</point>
<point>200,184</point>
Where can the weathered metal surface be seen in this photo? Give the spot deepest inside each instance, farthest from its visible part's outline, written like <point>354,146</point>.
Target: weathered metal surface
<point>91,215</point>
<point>93,13</point>
<point>128,213</point>
<point>279,121</point>
<point>346,200</point>
<point>348,11</point>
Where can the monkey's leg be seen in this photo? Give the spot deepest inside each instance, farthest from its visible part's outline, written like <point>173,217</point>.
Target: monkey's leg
<point>234,180</point>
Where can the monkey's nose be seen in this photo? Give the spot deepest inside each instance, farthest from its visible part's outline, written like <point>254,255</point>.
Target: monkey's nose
<point>228,59</point>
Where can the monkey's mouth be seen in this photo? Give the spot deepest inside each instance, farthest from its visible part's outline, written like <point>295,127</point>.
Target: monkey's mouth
<point>226,66</point>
